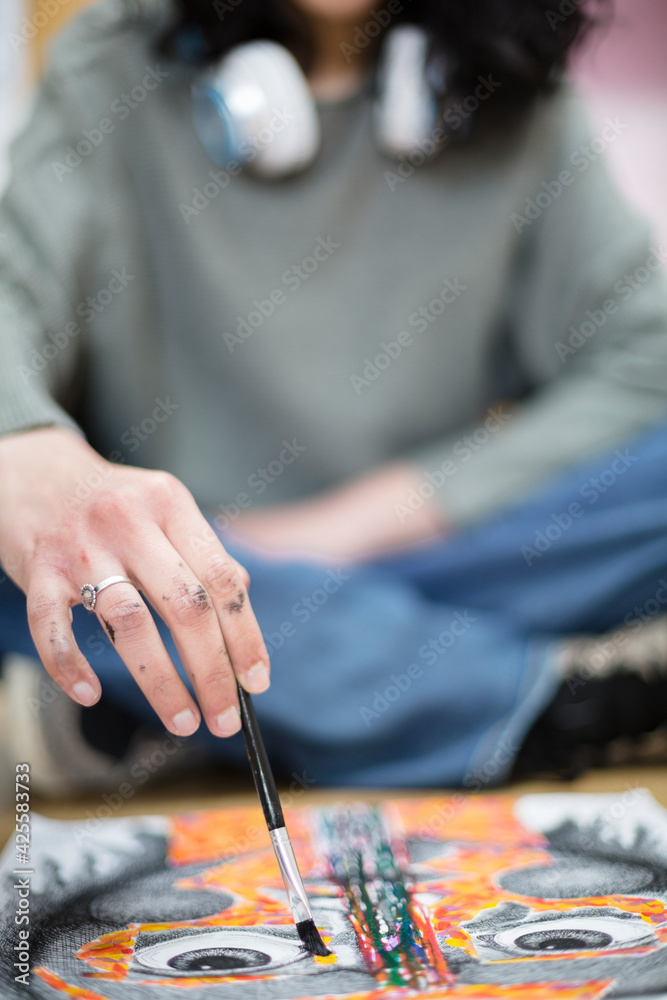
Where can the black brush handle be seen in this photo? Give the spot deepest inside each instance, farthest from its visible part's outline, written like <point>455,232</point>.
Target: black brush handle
<point>259,764</point>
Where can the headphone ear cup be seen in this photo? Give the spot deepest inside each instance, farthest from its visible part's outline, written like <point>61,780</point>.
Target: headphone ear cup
<point>256,108</point>
<point>407,107</point>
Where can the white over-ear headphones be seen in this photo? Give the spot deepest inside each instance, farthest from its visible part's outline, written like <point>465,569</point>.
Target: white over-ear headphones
<point>255,107</point>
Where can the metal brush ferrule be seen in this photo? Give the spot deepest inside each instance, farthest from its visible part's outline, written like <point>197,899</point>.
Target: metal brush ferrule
<point>296,894</point>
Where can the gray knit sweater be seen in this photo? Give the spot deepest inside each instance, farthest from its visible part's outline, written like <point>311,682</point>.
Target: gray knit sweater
<point>267,340</point>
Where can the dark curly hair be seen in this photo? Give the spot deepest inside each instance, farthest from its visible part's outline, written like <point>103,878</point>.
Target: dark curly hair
<point>523,43</point>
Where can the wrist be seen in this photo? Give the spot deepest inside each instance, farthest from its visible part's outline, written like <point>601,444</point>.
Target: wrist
<point>385,510</point>
<point>17,440</point>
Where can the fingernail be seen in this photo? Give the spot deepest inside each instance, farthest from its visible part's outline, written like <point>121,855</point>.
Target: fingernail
<point>185,723</point>
<point>257,679</point>
<point>229,721</point>
<point>85,693</point>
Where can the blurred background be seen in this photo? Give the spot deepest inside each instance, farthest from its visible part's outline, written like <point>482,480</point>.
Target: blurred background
<point>622,71</point>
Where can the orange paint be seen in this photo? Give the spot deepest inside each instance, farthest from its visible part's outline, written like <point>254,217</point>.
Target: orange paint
<point>484,839</point>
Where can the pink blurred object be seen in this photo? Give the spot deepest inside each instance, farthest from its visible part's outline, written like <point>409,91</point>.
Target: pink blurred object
<point>622,71</point>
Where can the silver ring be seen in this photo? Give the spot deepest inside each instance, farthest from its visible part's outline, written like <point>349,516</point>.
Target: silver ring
<point>89,592</point>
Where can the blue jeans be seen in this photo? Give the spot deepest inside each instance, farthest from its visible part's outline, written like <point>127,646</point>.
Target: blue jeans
<point>428,669</point>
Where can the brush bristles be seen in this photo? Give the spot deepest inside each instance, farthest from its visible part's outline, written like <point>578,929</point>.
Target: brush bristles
<point>311,938</point>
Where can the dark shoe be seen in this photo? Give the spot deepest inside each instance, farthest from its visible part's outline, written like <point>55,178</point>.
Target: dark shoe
<point>595,724</point>
<point>610,709</point>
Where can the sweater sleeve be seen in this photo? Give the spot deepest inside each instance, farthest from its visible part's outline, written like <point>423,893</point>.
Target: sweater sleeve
<point>50,220</point>
<point>585,324</point>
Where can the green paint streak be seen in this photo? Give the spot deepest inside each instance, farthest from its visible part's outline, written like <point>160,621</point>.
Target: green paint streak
<point>362,862</point>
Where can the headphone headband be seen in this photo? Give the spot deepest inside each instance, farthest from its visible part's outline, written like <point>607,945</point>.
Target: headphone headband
<point>255,106</point>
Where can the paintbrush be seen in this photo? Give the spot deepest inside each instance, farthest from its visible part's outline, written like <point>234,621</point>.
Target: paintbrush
<point>273,814</point>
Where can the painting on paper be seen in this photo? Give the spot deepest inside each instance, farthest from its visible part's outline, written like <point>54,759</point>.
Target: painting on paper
<point>539,896</point>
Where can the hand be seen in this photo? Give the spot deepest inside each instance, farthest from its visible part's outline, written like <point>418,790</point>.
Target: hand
<point>68,517</point>
<point>364,518</point>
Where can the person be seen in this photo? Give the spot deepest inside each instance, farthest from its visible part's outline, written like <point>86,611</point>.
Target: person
<point>418,399</point>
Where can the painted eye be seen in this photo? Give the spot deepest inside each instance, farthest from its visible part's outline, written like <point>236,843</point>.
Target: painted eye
<point>226,952</point>
<point>218,960</point>
<point>563,940</point>
<point>574,933</point>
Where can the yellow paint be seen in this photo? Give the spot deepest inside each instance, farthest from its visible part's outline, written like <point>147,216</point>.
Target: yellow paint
<point>326,959</point>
